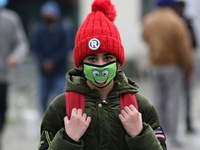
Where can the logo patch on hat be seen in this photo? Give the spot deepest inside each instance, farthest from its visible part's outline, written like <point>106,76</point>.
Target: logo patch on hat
<point>94,44</point>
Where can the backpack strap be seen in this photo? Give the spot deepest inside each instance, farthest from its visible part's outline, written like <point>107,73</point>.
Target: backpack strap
<point>77,100</point>
<point>128,99</point>
<point>74,100</point>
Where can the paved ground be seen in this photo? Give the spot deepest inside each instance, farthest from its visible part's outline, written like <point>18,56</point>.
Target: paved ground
<point>24,117</point>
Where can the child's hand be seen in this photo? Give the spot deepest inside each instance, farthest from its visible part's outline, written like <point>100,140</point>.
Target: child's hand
<point>131,120</point>
<point>77,125</point>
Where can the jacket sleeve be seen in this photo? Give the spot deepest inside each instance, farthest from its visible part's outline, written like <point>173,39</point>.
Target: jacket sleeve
<point>21,44</point>
<point>52,129</point>
<point>184,48</point>
<point>62,50</point>
<point>153,135</point>
<point>50,142</point>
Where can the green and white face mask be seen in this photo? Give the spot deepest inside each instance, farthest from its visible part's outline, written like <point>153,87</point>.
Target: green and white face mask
<point>100,75</point>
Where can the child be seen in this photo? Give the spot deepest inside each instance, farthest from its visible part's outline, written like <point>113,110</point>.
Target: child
<point>98,54</point>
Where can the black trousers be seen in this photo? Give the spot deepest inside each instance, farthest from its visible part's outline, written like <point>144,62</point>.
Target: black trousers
<point>3,104</point>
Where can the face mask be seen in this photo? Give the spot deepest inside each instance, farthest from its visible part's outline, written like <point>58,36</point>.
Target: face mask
<point>49,20</point>
<point>100,75</point>
<point>3,3</point>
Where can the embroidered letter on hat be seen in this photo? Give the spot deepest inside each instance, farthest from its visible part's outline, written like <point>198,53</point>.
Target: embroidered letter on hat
<point>94,44</point>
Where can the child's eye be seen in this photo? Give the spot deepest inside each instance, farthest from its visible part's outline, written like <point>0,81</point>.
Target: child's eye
<point>109,57</point>
<point>91,58</point>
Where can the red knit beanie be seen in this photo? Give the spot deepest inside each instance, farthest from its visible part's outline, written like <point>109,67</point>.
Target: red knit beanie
<point>98,33</point>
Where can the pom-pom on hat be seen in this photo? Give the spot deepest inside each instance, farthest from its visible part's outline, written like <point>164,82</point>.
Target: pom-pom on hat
<point>98,33</point>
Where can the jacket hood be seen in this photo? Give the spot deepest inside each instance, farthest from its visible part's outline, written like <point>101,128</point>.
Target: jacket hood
<point>75,81</point>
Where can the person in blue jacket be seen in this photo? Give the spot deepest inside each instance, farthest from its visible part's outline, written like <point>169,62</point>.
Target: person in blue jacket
<point>50,45</point>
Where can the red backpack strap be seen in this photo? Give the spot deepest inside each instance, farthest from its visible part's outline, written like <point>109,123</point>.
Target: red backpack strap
<point>77,100</point>
<point>128,99</point>
<point>74,100</point>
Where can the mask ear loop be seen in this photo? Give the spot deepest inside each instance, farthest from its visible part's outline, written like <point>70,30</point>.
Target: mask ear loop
<point>83,71</point>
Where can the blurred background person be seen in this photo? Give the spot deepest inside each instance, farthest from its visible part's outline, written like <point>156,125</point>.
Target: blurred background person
<point>13,49</point>
<point>180,9</point>
<point>50,45</point>
<point>170,56</point>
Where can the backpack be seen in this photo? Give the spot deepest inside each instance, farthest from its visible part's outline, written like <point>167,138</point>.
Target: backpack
<point>77,100</point>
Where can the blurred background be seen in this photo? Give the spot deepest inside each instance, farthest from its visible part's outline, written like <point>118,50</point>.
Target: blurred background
<point>24,115</point>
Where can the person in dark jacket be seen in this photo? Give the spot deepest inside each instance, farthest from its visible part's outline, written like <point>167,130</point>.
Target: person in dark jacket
<point>50,46</point>
<point>98,55</point>
<point>180,9</point>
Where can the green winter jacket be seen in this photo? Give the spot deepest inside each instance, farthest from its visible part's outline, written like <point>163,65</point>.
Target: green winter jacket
<point>105,131</point>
